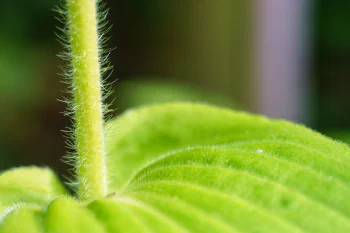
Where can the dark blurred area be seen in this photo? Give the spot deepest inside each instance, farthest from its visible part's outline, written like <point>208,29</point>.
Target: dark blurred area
<point>284,59</point>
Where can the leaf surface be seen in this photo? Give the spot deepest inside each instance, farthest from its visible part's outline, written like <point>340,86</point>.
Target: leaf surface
<point>29,185</point>
<point>232,171</point>
<point>197,168</point>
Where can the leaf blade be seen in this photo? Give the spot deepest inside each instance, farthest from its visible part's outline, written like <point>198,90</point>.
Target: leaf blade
<point>278,168</point>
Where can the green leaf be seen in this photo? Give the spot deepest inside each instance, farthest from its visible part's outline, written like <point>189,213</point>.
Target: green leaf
<point>197,168</point>
<point>31,185</point>
<point>145,134</point>
<point>230,169</point>
<point>22,218</point>
<point>24,192</point>
<point>66,215</point>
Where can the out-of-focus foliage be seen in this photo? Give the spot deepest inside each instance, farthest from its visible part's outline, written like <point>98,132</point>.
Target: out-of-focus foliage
<point>343,136</point>
<point>17,82</point>
<point>331,65</point>
<point>154,91</point>
<point>29,22</point>
<point>333,23</point>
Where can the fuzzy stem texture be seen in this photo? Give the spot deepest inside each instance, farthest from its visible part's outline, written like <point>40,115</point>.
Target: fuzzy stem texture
<point>83,39</point>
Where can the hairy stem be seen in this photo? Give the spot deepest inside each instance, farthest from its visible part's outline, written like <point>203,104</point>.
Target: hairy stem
<point>83,39</point>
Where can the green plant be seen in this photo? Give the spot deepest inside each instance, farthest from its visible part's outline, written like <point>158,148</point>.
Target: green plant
<point>178,167</point>
<point>137,93</point>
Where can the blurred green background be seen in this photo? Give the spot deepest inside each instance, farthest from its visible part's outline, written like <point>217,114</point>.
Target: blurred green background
<point>203,51</point>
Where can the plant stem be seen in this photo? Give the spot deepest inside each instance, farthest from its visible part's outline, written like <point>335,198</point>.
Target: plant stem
<point>83,39</point>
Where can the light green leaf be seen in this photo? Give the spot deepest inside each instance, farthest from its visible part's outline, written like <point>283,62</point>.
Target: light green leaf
<point>66,215</point>
<point>143,135</point>
<point>197,168</point>
<point>230,170</point>
<point>31,185</point>
<point>22,218</point>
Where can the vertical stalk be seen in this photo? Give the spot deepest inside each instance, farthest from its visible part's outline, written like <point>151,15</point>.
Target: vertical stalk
<point>83,39</point>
